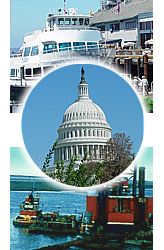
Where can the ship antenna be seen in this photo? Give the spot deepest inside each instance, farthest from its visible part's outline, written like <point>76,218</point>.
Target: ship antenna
<point>65,10</point>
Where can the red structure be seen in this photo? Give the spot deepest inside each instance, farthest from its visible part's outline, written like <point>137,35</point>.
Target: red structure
<point>121,209</point>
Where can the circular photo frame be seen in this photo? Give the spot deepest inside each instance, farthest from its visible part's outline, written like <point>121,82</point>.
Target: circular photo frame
<point>82,125</point>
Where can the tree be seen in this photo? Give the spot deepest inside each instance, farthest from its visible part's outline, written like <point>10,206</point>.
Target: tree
<point>117,156</point>
<point>122,156</point>
<point>48,157</point>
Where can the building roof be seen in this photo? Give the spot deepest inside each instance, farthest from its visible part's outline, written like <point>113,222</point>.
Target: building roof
<point>129,10</point>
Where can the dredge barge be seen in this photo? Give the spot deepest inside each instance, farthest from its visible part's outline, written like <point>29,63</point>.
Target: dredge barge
<point>116,209</point>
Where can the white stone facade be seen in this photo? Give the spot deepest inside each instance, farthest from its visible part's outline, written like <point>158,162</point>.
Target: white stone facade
<point>84,128</point>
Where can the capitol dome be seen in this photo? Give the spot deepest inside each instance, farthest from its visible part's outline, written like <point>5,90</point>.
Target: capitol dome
<point>84,128</point>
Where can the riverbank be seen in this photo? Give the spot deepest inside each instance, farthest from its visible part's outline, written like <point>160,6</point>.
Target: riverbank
<point>143,239</point>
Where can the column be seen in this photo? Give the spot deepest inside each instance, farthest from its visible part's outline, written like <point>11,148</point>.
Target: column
<point>98,151</point>
<point>62,153</point>
<point>67,153</point>
<point>57,150</point>
<point>82,151</point>
<point>88,149</point>
<point>77,151</point>
<point>93,150</point>
<point>71,151</point>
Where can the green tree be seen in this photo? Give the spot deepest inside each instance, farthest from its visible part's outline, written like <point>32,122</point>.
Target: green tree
<point>48,157</point>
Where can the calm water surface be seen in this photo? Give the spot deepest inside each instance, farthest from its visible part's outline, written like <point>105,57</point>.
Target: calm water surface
<point>64,202</point>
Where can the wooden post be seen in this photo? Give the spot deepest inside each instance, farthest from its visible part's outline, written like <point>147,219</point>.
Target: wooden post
<point>118,64</point>
<point>145,63</point>
<point>138,66</point>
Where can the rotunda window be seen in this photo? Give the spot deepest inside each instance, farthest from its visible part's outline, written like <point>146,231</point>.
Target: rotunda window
<point>80,134</point>
<point>85,133</point>
<point>93,133</point>
<point>97,133</point>
<point>75,133</point>
<point>71,134</point>
<point>89,132</point>
<point>67,134</point>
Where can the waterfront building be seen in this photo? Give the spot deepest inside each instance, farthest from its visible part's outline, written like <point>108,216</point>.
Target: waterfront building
<point>84,128</point>
<point>131,22</point>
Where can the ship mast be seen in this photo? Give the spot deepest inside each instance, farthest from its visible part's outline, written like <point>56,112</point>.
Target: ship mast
<point>64,7</point>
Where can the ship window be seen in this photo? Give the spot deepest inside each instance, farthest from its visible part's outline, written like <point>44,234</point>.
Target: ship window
<point>92,45</point>
<point>81,21</point>
<point>67,21</point>
<point>79,45</point>
<point>86,21</point>
<point>27,51</point>
<point>37,71</point>
<point>74,21</point>
<point>50,47</point>
<point>35,51</point>
<point>28,72</point>
<point>12,72</point>
<point>64,46</point>
<point>60,21</point>
<point>47,69</point>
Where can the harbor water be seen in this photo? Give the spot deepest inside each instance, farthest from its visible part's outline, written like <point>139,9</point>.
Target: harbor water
<point>63,202</point>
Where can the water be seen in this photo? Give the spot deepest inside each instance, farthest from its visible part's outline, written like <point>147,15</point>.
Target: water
<point>64,202</point>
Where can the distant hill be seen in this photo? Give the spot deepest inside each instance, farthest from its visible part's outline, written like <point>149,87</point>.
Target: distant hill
<point>26,183</point>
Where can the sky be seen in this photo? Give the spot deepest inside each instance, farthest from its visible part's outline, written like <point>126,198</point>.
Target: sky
<point>146,159</point>
<point>21,165</point>
<point>29,15</point>
<point>45,106</point>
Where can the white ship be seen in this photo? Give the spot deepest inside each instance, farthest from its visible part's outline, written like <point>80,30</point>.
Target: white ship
<point>66,36</point>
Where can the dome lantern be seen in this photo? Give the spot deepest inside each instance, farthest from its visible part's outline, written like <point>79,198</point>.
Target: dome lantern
<point>83,87</point>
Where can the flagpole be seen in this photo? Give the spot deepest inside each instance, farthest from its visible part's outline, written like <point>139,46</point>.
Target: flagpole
<point>64,7</point>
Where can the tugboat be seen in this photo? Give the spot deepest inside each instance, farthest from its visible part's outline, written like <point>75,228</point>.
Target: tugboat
<point>36,221</point>
<point>29,212</point>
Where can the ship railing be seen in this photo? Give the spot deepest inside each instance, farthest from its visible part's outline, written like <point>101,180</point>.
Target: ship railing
<point>132,52</point>
<point>77,27</point>
<point>13,55</point>
<point>69,55</point>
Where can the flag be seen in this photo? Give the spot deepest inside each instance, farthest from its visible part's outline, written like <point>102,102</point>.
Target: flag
<point>117,8</point>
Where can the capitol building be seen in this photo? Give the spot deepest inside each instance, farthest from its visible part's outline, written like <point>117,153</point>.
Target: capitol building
<point>84,129</point>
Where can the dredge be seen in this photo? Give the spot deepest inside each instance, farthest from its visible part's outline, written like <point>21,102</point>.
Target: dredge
<point>117,209</point>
